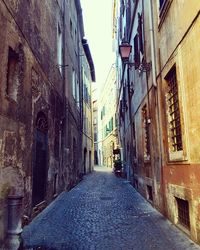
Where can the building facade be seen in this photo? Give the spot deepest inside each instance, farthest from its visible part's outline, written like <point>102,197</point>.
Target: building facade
<point>88,76</point>
<point>41,111</point>
<point>108,137</point>
<point>157,102</point>
<point>95,127</point>
<point>178,83</point>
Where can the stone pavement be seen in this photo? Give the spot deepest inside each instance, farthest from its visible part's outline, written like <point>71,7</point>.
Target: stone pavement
<point>103,213</point>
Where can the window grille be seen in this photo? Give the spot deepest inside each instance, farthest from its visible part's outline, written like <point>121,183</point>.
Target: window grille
<point>174,112</point>
<point>59,47</point>
<point>146,132</point>
<point>183,212</point>
<point>41,122</point>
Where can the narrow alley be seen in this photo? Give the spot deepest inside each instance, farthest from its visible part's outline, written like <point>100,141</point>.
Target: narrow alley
<point>103,212</point>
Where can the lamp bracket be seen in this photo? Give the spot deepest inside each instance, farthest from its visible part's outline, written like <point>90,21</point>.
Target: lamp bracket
<point>143,67</point>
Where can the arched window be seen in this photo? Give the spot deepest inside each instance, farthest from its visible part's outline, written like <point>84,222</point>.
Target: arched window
<point>41,122</point>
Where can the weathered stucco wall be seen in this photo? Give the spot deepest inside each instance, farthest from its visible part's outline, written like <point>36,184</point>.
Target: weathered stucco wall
<point>174,26</point>
<point>40,119</point>
<point>167,175</point>
<point>36,88</point>
<point>179,35</point>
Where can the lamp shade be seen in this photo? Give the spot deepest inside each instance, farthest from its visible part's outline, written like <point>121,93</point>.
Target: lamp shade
<point>125,50</point>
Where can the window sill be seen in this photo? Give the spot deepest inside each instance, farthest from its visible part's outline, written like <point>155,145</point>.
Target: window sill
<point>176,156</point>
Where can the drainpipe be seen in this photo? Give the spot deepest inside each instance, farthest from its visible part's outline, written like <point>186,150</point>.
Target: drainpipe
<point>154,73</point>
<point>130,176</point>
<point>79,44</point>
<point>152,41</point>
<point>64,122</point>
<point>14,221</point>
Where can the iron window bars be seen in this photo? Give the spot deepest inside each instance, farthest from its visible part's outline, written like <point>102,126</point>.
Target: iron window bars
<point>183,212</point>
<point>174,111</point>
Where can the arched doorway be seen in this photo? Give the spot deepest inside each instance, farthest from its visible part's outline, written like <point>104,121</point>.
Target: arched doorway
<point>40,159</point>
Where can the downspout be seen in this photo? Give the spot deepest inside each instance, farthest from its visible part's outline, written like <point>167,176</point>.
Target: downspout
<point>131,130</point>
<point>79,44</point>
<point>158,118</point>
<point>124,118</point>
<point>149,116</point>
<point>152,41</point>
<point>65,111</point>
<point>130,176</point>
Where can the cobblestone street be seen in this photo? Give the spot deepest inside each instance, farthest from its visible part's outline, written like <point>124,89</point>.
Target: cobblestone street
<point>103,212</point>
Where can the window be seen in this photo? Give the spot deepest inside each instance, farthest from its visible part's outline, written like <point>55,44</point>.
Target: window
<point>75,35</point>
<point>103,112</point>
<point>163,7</point>
<point>12,74</point>
<point>74,83</point>
<point>162,3</point>
<point>174,112</point>
<point>183,212</point>
<point>77,93</point>
<point>75,88</point>
<point>74,154</point>
<point>86,89</point>
<point>128,19</point>
<point>95,137</point>
<point>140,33</point>
<point>59,47</point>
<point>145,133</point>
<point>136,52</point>
<point>71,28</point>
<point>134,141</point>
<point>111,124</point>
<point>122,8</point>
<point>56,139</point>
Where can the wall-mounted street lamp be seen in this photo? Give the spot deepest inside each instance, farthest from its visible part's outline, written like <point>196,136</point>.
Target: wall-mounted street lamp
<point>125,51</point>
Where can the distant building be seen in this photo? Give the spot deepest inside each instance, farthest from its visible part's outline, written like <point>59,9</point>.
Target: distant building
<point>108,137</point>
<point>41,96</point>
<point>158,101</point>
<point>88,76</point>
<point>95,129</point>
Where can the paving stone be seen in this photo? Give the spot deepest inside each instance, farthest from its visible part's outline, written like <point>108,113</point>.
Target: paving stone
<point>103,213</point>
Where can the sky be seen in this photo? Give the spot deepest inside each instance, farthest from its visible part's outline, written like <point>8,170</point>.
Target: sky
<point>97,18</point>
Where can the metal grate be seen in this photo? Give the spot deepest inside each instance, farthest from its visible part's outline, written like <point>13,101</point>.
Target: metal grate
<point>146,132</point>
<point>183,212</point>
<point>174,112</point>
